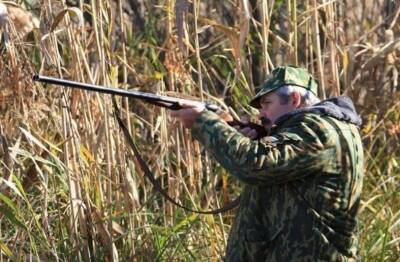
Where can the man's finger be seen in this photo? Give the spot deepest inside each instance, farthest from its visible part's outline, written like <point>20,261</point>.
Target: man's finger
<point>175,113</point>
<point>190,104</point>
<point>252,134</point>
<point>181,113</point>
<point>245,130</point>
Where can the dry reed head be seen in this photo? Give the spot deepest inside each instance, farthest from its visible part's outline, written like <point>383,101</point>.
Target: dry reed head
<point>3,15</point>
<point>21,21</point>
<point>3,23</point>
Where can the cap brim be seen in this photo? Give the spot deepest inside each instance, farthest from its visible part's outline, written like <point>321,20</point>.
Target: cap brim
<point>255,101</point>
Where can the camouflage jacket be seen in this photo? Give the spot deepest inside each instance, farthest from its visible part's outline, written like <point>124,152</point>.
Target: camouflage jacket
<point>301,184</point>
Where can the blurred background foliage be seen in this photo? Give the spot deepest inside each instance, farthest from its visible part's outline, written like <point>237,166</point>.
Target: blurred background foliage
<point>70,189</point>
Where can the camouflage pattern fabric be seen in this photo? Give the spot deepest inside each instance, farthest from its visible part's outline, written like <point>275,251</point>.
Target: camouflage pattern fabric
<point>285,75</point>
<point>301,184</point>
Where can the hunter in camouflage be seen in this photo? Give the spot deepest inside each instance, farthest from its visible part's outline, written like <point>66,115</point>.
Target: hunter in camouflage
<point>301,183</point>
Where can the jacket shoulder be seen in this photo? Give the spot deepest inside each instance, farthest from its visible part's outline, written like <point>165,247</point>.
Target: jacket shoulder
<point>312,128</point>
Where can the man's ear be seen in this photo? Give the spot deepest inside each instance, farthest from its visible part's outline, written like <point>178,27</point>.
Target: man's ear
<point>296,99</point>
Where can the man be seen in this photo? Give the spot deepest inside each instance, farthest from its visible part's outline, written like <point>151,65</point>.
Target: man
<point>301,183</point>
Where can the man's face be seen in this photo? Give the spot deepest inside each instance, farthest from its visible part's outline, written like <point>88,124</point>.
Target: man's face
<point>272,107</point>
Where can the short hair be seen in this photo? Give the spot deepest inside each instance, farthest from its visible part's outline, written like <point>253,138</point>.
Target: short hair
<point>307,97</point>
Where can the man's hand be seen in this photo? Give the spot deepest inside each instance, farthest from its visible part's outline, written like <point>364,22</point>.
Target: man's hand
<point>246,131</point>
<point>191,110</point>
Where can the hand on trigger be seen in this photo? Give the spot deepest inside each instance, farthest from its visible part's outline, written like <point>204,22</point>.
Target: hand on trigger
<point>246,130</point>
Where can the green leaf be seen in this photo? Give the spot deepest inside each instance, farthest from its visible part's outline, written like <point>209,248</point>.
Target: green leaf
<point>7,251</point>
<point>11,216</point>
<point>11,185</point>
<point>19,186</point>
<point>8,201</point>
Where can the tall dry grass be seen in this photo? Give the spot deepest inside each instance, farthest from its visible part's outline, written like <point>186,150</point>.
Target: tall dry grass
<point>70,189</point>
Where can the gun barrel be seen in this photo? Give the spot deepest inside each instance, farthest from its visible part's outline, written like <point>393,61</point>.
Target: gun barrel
<point>149,97</point>
<point>164,101</point>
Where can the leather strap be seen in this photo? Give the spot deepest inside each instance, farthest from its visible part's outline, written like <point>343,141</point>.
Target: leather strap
<point>150,176</point>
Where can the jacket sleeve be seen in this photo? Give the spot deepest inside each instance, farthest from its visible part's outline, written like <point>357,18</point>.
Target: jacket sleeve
<point>292,153</point>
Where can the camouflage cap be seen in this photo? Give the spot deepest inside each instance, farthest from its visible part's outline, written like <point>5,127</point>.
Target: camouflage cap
<point>285,75</point>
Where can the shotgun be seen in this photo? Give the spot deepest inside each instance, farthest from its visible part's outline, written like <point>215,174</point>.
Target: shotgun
<point>169,102</point>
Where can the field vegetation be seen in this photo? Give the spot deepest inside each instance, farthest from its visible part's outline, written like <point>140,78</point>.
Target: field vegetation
<point>70,189</point>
